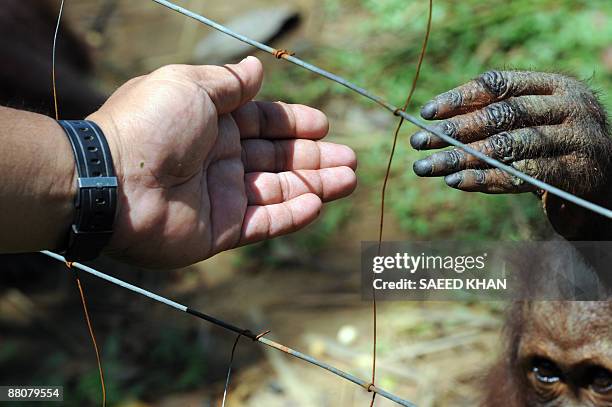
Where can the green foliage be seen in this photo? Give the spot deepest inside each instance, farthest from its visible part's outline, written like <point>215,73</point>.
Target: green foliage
<point>378,44</point>
<point>469,37</point>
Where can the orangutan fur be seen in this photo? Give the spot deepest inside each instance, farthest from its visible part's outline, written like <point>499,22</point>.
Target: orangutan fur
<point>557,353</point>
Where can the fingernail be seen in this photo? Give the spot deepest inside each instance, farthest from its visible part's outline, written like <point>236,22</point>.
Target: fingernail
<point>422,167</point>
<point>453,180</point>
<point>429,110</point>
<point>419,140</point>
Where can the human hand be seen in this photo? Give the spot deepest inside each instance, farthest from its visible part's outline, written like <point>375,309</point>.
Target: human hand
<point>549,126</point>
<point>203,168</point>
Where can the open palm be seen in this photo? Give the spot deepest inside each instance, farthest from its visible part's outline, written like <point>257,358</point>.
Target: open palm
<point>203,168</point>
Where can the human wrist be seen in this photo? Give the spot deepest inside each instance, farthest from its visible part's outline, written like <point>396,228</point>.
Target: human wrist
<point>111,133</point>
<point>96,197</point>
<point>113,138</point>
<point>63,189</point>
<point>39,183</point>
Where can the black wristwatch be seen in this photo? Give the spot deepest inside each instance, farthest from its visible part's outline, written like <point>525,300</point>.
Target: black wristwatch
<point>96,200</point>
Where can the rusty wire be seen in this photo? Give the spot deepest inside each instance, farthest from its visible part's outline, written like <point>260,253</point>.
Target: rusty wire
<point>401,112</point>
<point>229,370</point>
<point>260,338</point>
<point>383,193</point>
<point>90,328</point>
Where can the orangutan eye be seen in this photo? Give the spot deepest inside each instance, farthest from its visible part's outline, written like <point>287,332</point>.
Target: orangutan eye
<point>545,371</point>
<point>602,381</point>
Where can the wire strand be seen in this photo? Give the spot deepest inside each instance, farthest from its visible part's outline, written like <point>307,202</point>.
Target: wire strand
<point>69,265</point>
<point>260,338</point>
<point>401,122</point>
<point>91,333</point>
<point>383,194</point>
<point>54,52</point>
<point>229,370</point>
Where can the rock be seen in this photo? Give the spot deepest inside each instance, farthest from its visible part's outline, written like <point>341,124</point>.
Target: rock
<point>262,25</point>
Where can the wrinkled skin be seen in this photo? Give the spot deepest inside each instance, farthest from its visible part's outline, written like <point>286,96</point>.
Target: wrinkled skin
<point>547,125</point>
<point>559,354</point>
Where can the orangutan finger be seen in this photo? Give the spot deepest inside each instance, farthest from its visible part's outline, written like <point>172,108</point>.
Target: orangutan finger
<point>505,147</point>
<point>490,87</point>
<point>490,181</point>
<point>510,114</point>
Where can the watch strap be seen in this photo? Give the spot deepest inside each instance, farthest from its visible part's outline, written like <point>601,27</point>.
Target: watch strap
<point>96,200</point>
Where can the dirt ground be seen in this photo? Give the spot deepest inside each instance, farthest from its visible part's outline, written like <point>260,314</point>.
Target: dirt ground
<point>434,354</point>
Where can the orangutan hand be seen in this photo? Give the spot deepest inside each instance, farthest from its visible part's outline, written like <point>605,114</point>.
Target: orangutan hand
<point>547,125</point>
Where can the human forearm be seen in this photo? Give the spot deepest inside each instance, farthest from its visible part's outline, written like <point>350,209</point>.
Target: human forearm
<point>201,168</point>
<point>38,182</point>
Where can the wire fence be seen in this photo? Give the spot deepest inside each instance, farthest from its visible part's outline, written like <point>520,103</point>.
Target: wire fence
<point>287,56</point>
<point>261,338</point>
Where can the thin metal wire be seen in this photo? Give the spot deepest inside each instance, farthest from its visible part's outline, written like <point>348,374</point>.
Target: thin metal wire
<point>383,193</point>
<point>57,26</point>
<point>229,370</point>
<point>76,275</point>
<point>92,334</point>
<point>395,110</point>
<point>243,332</point>
<point>363,383</point>
<point>274,52</point>
<point>379,100</point>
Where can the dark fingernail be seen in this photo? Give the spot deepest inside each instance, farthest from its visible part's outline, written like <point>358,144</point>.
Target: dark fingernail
<point>453,180</point>
<point>429,110</point>
<point>422,168</point>
<point>419,140</point>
